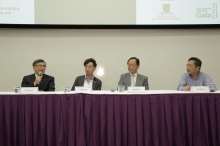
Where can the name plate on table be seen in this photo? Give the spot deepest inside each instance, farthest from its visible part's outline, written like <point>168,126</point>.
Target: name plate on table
<point>29,90</point>
<point>200,89</point>
<point>136,89</point>
<point>83,89</point>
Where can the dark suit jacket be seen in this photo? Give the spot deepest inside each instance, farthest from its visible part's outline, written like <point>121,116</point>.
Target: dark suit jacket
<point>141,80</point>
<point>46,84</point>
<point>79,81</point>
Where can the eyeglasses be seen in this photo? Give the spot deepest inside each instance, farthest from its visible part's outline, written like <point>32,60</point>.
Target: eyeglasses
<point>44,66</point>
<point>190,66</point>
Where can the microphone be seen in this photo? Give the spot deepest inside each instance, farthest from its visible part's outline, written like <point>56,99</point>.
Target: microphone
<point>40,73</point>
<point>212,90</point>
<point>112,90</point>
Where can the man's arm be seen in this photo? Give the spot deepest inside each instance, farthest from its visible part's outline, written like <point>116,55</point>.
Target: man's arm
<point>208,82</point>
<point>182,83</point>
<point>75,84</point>
<point>121,81</point>
<point>145,83</point>
<point>51,85</point>
<point>99,85</point>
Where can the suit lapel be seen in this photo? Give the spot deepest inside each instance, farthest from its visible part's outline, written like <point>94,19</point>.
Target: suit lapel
<point>94,83</point>
<point>138,80</point>
<point>81,81</point>
<point>33,78</point>
<point>128,79</point>
<point>42,80</point>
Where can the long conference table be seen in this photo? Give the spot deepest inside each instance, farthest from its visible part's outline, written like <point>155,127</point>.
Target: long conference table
<point>105,118</point>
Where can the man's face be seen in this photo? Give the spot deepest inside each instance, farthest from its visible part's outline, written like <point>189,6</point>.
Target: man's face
<point>89,68</point>
<point>192,68</point>
<point>40,67</point>
<point>132,66</point>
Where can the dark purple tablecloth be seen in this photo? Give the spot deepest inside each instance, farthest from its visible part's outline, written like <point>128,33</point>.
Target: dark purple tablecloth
<point>110,120</point>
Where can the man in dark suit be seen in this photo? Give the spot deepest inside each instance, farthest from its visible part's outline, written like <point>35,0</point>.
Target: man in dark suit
<point>39,78</point>
<point>88,80</point>
<point>133,78</point>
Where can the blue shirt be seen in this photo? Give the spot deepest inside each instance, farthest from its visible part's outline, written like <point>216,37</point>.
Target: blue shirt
<point>202,79</point>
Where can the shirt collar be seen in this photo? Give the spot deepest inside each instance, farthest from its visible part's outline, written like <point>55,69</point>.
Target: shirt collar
<point>37,75</point>
<point>90,79</point>
<point>135,75</point>
<point>196,77</point>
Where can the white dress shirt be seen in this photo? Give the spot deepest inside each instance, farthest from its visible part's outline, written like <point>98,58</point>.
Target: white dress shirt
<point>88,84</point>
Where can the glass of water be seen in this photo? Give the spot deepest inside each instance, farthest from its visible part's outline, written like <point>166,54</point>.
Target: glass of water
<point>17,89</point>
<point>121,88</point>
<point>66,88</point>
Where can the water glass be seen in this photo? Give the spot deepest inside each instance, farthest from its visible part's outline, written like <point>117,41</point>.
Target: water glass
<point>66,88</point>
<point>17,89</point>
<point>121,88</point>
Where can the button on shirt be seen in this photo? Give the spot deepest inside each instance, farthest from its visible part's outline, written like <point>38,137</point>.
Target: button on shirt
<point>202,79</point>
<point>88,84</point>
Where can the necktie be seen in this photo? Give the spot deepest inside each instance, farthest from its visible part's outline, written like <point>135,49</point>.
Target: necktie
<point>132,81</point>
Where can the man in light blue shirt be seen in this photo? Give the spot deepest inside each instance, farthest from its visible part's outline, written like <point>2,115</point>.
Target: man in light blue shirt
<point>194,77</point>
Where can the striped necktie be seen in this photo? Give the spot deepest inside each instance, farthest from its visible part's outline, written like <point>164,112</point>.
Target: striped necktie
<point>132,81</point>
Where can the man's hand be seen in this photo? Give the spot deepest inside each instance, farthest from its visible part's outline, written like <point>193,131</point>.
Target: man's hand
<point>186,88</point>
<point>37,80</point>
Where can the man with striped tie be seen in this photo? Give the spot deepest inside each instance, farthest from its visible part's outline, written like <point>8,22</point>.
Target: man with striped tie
<point>133,78</point>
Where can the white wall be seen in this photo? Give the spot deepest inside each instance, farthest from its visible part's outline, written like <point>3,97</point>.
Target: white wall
<point>163,54</point>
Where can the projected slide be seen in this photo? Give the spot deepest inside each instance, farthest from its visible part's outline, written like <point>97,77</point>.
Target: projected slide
<point>177,12</point>
<point>17,11</point>
<point>110,12</point>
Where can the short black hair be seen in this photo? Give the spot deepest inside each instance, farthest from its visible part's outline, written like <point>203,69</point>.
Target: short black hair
<point>38,61</point>
<point>137,60</point>
<point>197,61</point>
<point>90,60</point>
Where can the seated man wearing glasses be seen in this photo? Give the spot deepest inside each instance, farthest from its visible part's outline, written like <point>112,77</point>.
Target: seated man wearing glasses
<point>39,78</point>
<point>194,77</point>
